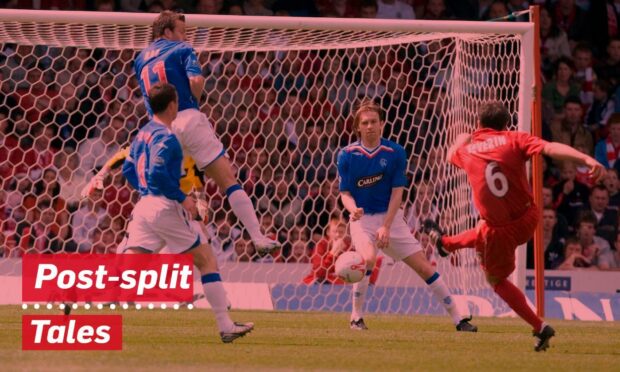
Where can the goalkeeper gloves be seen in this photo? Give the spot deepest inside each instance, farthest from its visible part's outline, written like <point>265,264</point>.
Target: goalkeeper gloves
<point>95,183</point>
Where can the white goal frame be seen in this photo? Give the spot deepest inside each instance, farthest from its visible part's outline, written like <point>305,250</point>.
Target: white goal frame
<point>526,31</point>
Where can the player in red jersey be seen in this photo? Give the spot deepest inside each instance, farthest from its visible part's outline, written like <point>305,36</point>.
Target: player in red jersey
<point>494,160</point>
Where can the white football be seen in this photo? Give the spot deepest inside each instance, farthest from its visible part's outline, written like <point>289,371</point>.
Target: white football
<point>350,267</point>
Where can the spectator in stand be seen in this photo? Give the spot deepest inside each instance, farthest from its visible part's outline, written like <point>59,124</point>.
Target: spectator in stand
<point>584,72</point>
<point>557,90</point>
<point>574,258</point>
<point>553,241</point>
<point>244,249</point>
<point>299,253</point>
<point>607,150</point>
<point>612,262</point>
<point>609,68</point>
<point>606,218</point>
<point>497,9</point>
<point>595,248</point>
<point>327,250</point>
<point>553,41</point>
<point>104,5</point>
<point>234,8</point>
<point>547,197</point>
<point>435,10</point>
<point>570,195</point>
<point>256,8</point>
<point>368,9</point>
<point>602,107</point>
<point>572,19</point>
<point>570,130</point>
<point>394,9</point>
<point>613,186</point>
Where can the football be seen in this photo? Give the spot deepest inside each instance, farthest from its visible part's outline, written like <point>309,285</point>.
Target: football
<point>350,267</point>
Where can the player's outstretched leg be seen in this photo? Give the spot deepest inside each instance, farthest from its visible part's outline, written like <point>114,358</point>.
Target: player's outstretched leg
<point>448,244</point>
<point>423,268</point>
<point>216,295</point>
<point>221,172</point>
<point>517,302</point>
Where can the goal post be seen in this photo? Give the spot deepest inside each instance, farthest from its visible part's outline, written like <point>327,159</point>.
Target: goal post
<point>279,91</point>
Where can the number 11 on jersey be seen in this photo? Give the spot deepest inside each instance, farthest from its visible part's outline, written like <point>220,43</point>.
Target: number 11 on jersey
<point>159,69</point>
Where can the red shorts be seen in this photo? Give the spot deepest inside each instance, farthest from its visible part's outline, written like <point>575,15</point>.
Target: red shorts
<point>496,245</point>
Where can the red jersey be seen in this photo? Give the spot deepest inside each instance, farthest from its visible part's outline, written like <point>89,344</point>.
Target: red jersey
<point>495,165</point>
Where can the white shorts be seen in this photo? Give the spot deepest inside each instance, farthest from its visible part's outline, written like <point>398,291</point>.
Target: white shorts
<point>197,137</point>
<point>402,243</point>
<point>158,222</point>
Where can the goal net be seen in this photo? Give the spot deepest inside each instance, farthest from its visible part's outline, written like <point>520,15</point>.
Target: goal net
<point>279,92</point>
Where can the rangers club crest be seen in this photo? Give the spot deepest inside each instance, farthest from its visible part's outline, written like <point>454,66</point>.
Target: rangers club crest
<point>383,162</point>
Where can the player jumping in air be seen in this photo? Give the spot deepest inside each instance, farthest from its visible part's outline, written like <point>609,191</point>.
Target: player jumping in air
<point>170,59</point>
<point>372,181</point>
<point>161,216</point>
<point>494,160</point>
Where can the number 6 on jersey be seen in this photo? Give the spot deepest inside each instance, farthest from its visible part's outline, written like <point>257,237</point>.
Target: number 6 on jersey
<point>496,180</point>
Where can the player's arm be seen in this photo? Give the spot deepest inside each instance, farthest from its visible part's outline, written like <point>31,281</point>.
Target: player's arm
<point>194,73</point>
<point>96,183</point>
<point>461,140</point>
<point>560,151</point>
<point>159,166</point>
<point>196,84</point>
<point>129,171</point>
<point>351,206</point>
<point>345,187</point>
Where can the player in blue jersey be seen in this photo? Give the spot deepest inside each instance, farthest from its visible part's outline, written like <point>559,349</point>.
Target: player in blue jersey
<point>161,216</point>
<point>372,174</point>
<point>170,59</point>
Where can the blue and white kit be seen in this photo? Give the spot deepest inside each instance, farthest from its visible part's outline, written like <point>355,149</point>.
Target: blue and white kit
<point>154,169</point>
<point>369,175</point>
<point>175,62</point>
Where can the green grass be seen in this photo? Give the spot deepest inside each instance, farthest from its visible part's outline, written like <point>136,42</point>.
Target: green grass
<point>170,340</point>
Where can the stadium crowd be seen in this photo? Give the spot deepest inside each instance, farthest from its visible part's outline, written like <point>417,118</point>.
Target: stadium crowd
<point>65,111</point>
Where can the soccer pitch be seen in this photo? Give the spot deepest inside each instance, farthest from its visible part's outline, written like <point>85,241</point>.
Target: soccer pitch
<point>187,340</point>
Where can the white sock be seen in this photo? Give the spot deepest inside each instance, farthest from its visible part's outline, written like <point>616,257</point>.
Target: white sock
<point>216,295</point>
<point>442,294</point>
<point>359,295</point>
<point>244,210</point>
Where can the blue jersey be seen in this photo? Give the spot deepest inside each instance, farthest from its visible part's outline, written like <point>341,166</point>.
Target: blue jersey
<point>168,61</point>
<point>370,175</point>
<point>154,163</point>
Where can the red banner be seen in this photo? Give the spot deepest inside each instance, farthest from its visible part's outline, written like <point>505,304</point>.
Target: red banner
<point>76,332</point>
<point>107,277</point>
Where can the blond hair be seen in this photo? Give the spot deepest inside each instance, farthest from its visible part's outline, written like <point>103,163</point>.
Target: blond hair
<point>365,105</point>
